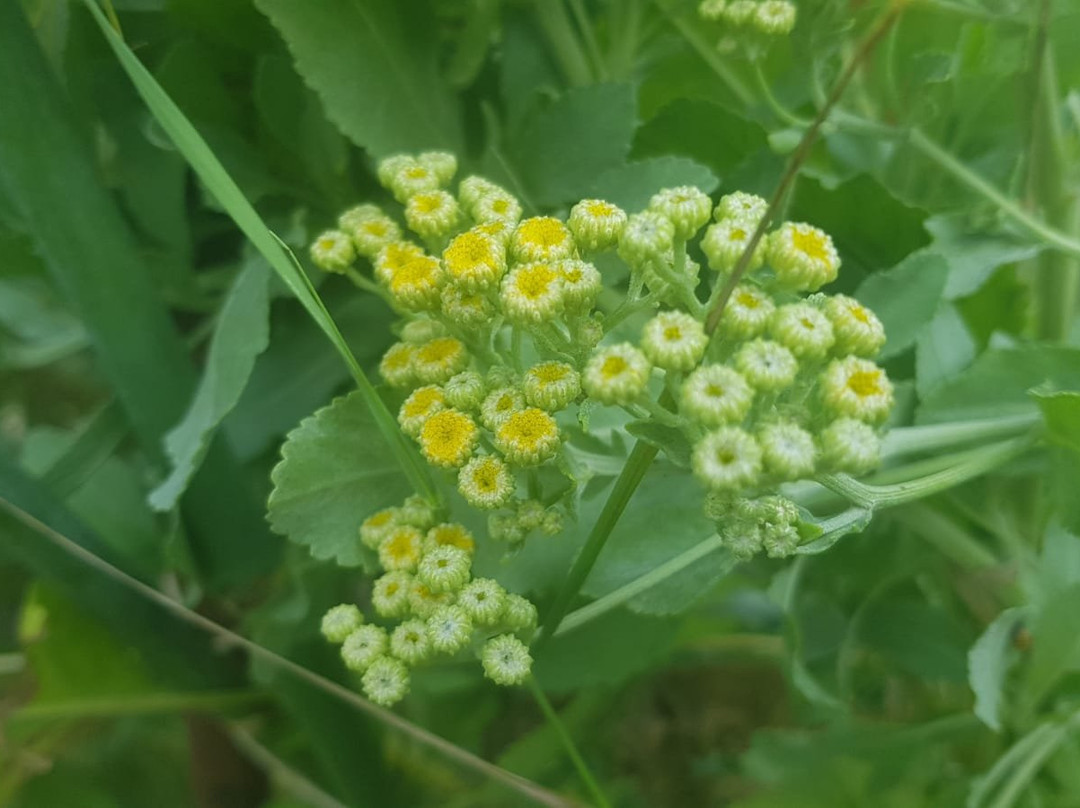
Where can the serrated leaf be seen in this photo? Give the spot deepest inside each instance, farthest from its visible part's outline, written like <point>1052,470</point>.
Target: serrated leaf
<point>632,185</point>
<point>335,470</point>
<point>374,65</point>
<point>905,298</point>
<point>943,349</point>
<point>988,665</point>
<point>1056,644</point>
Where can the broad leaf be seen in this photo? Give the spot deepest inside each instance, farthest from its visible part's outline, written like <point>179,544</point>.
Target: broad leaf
<point>1061,411</point>
<point>335,471</point>
<point>943,349</point>
<point>905,298</point>
<point>632,185</point>
<point>988,665</point>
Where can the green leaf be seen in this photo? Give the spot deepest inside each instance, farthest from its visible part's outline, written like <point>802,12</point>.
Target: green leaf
<point>921,639</point>
<point>1056,644</point>
<point>1061,411</point>
<point>335,471</point>
<point>375,66</point>
<point>561,150</point>
<point>630,186</point>
<point>242,333</point>
<point>905,298</point>
<point>972,256</point>
<point>943,349</point>
<point>988,666</point>
<point>671,441</point>
<point>998,382</point>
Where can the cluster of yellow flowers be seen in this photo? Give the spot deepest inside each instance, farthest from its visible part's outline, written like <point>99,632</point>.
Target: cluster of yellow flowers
<point>502,348</point>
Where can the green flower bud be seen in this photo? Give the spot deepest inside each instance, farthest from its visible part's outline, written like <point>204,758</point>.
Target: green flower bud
<point>439,360</point>
<point>596,224</point>
<point>410,642</point>
<point>788,450</point>
<point>390,594</point>
<point>440,163</point>
<point>532,294</point>
<point>449,629</point>
<point>506,660</point>
<point>432,215</point>
<point>686,207</point>
<point>467,309</point>
<point>857,388</point>
<point>712,10</point>
<point>499,405</point>
<point>418,512</point>
<point>473,189</point>
<point>740,12</point>
<point>747,313</point>
<point>333,251</point>
<point>728,459</point>
<point>780,541</point>
<point>646,237</point>
<point>341,621</point>
<point>617,374</point>
<point>850,446</point>
<point>378,526</point>
<point>413,179</point>
<point>551,385</point>
<point>528,437</point>
<point>726,241</point>
<point>742,207</point>
<point>742,538</point>
<point>541,238</point>
<point>465,391</point>
<point>714,395</point>
<point>519,614</point>
<point>450,534</point>
<point>396,366</point>
<point>496,206</point>
<point>673,340</point>
<point>486,482</point>
<point>401,549</point>
<point>423,602</point>
<point>421,404</point>
<point>444,569</point>
<point>768,366</point>
<point>386,681</point>
<point>803,330</point>
<point>581,284</point>
<point>362,647</point>
<point>483,600</point>
<point>775,17</point>
<point>803,257</point>
<point>858,330</point>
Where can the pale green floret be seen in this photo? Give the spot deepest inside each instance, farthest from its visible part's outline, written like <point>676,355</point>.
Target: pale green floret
<point>742,207</point>
<point>617,374</point>
<point>432,215</point>
<point>444,568</point>
<point>646,237</point>
<point>505,527</point>
<point>499,376</point>
<point>386,681</point>
<point>333,251</point>
<point>532,294</point>
<point>581,284</point>
<point>472,189</point>
<point>422,329</point>
<point>780,541</point>
<point>357,215</point>
<point>378,526</point>
<point>712,10</point>
<point>413,179</point>
<point>486,482</point>
<point>772,509</point>
<point>726,241</point>
<point>371,236</point>
<point>728,459</point>
<point>803,329</point>
<point>341,621</point>
<point>423,602</point>
<point>410,642</point>
<point>742,538</point>
<point>775,17</point>
<point>541,238</point>
<point>422,403</point>
<point>439,360</point>
<point>496,206</point>
<point>551,385</point>
<point>530,514</point>
<point>449,628</point>
<point>418,512</point>
<point>506,660</point>
<point>686,207</point>
<point>465,391</point>
<point>673,340</point>
<point>520,614</point>
<point>747,313</point>
<point>388,168</point>
<point>362,647</point>
<point>483,600</point>
<point>850,446</point>
<point>442,164</point>
<point>858,330</point>
<point>788,450</point>
<point>528,437</point>
<point>740,12</point>
<point>596,224</point>
<point>768,366</point>
<point>802,257</point>
<point>466,309</point>
<point>390,594</point>
<point>714,395</point>
<point>396,366</point>
<point>499,405</point>
<point>857,388</point>
<point>401,549</point>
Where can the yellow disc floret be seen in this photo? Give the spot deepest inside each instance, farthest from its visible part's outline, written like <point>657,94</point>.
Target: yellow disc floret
<point>542,238</point>
<point>448,438</point>
<point>528,437</point>
<point>474,260</point>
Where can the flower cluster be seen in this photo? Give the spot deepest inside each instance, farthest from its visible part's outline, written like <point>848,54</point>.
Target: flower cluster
<point>768,17</point>
<point>434,606</point>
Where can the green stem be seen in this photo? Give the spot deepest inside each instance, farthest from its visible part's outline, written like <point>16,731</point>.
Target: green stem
<point>947,537</point>
<point>707,50</point>
<point>659,412</point>
<point>781,112</point>
<point>563,41</point>
<point>912,439</point>
<point>283,775</point>
<point>589,35</point>
<point>148,704</point>
<point>568,743</point>
<point>369,285</point>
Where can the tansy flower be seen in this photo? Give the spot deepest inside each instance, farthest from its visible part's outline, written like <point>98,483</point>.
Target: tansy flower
<point>775,17</point>
<point>448,438</point>
<point>483,600</point>
<point>673,340</point>
<point>715,394</point>
<point>357,215</point>
<point>410,642</point>
<point>390,593</point>
<point>499,230</point>
<point>451,534</point>
<point>416,285</point>
<point>423,602</point>
<point>857,388</point>
<point>444,569</point>
<point>439,359</point>
<point>422,329</point>
<point>747,312</point>
<point>727,460</point>
<point>486,482</point>
<point>768,366</point>
<point>581,284</point>
<point>519,614</point>
<point>741,206</point>
<point>596,224</point>
<point>401,549</point>
<point>333,251</point>
<point>413,179</point>
<point>418,512</point>
<point>726,241</point>
<point>465,308</point>
<point>617,374</point>
<point>474,261</point>
<point>551,385</point>
<point>532,293</point>
<point>378,526</point>
<point>362,647</point>
<point>449,628</point>
<point>465,391</point>
<point>506,660</point>
<point>396,366</point>
<point>802,329</point>
<point>647,236</point>
<point>528,437</point>
<point>496,206</point>
<point>386,681</point>
<point>393,257</point>
<point>472,189</point>
<point>788,450</point>
<point>858,330</point>
<point>388,167</point>
<point>372,235</point>
<point>541,238</point>
<point>802,257</point>
<point>432,215</point>
<point>499,405</point>
<point>341,621</point>
<point>850,446</point>
<point>442,164</point>
<point>421,404</point>
<point>686,207</point>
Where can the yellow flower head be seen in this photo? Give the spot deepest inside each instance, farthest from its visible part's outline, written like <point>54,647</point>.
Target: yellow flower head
<point>747,312</point>
<point>437,360</point>
<point>596,224</point>
<point>616,374</point>
<point>803,257</point>
<point>551,385</point>
<point>448,438</point>
<point>528,437</point>
<point>418,407</point>
<point>378,526</point>
<point>857,388</point>
<point>581,284</point>
<point>453,535</point>
<point>332,251</point>
<point>858,330</point>
<point>416,285</point>
<point>499,405</point>
<point>469,309</point>
<point>532,293</point>
<point>401,549</point>
<point>725,242</point>
<point>475,261</point>
<point>542,238</point>
<point>393,257</point>
<point>432,214</point>
<point>496,206</point>
<point>486,482</point>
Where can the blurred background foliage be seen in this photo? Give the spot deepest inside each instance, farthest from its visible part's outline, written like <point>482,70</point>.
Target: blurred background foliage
<point>933,660</point>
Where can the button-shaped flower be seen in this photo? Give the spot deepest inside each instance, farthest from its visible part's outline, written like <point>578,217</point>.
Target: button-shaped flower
<point>803,329</point>
<point>486,482</point>
<point>858,330</point>
<point>788,450</point>
<point>714,395</point>
<point>474,261</point>
<point>363,646</point>
<point>673,340</point>
<point>528,437</point>
<point>596,224</point>
<point>439,360</point>
<point>617,374</point>
<point>444,568</point>
<point>532,293</point>
<point>728,459</point>
<point>541,238</point>
<point>768,366</point>
<point>802,256</point>
<point>857,388</point>
<point>401,549</point>
<point>341,621</point>
<point>448,438</point>
<point>551,385</point>
<point>686,207</point>
<point>747,312</point>
<point>506,660</point>
<point>386,681</point>
<point>333,251</point>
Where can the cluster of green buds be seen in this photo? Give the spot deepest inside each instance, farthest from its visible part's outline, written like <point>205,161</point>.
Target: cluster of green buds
<point>433,605</point>
<point>770,18</point>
